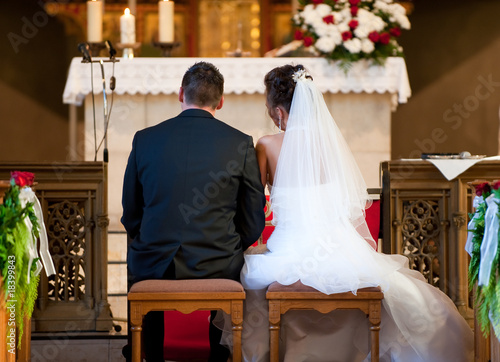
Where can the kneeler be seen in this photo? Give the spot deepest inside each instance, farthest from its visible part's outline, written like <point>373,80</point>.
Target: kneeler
<point>186,335</point>
<point>185,296</point>
<point>298,296</point>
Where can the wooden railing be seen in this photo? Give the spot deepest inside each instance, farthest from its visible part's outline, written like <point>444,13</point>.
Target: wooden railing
<point>74,202</point>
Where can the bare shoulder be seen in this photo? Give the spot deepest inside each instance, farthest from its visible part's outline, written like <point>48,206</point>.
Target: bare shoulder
<point>269,140</point>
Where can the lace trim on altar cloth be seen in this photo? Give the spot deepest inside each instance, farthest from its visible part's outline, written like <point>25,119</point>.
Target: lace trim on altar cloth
<point>243,75</point>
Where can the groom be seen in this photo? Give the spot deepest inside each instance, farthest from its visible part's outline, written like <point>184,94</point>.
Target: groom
<point>192,198</point>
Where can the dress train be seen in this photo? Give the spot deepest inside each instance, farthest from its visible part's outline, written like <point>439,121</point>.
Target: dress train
<point>419,322</point>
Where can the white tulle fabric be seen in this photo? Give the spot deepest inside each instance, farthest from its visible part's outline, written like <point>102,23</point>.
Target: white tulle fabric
<point>469,245</point>
<point>318,200</point>
<point>27,195</point>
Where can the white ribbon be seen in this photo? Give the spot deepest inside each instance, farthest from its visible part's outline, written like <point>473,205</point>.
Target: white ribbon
<point>490,240</point>
<point>469,245</point>
<point>27,195</point>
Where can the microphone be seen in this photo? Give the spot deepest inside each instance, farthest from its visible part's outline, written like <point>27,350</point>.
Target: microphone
<point>85,50</point>
<point>112,53</point>
<point>111,50</point>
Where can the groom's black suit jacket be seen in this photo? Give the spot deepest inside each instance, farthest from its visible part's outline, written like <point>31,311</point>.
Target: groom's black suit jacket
<point>192,196</point>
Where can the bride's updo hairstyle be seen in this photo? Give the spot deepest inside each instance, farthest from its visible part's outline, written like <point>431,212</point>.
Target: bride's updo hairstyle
<point>280,86</point>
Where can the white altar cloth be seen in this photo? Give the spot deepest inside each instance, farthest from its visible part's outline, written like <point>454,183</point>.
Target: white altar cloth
<point>242,75</point>
<point>147,93</point>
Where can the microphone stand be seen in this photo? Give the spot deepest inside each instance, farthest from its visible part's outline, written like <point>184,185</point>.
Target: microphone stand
<point>105,102</point>
<point>105,107</point>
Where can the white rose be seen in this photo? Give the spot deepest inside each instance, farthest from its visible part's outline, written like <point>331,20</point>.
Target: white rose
<point>308,8</point>
<point>382,5</point>
<point>337,17</point>
<point>325,44</point>
<point>311,18</point>
<point>377,23</point>
<point>364,14</point>
<point>334,34</point>
<point>369,21</point>
<point>322,29</point>
<point>397,9</point>
<point>403,21</point>
<point>362,31</point>
<point>353,45</point>
<point>323,10</point>
<point>346,14</point>
<point>367,46</point>
<point>343,27</point>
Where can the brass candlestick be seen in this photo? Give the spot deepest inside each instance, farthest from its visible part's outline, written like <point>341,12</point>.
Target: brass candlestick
<point>166,48</point>
<point>128,49</point>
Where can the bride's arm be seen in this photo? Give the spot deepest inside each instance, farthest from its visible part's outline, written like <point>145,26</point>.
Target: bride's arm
<point>260,149</point>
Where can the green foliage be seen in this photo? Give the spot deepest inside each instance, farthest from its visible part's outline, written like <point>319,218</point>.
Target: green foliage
<point>14,242</point>
<point>487,300</point>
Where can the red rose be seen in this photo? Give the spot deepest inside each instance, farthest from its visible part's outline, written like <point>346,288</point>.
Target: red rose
<point>328,19</point>
<point>298,35</point>
<point>496,185</point>
<point>395,31</point>
<point>353,24</point>
<point>384,38</point>
<point>354,2</point>
<point>354,10</point>
<point>316,2</point>
<point>308,41</point>
<point>374,36</point>
<point>483,189</point>
<point>346,35</point>
<point>22,178</point>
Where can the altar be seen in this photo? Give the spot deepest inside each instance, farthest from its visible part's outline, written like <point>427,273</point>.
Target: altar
<point>146,94</point>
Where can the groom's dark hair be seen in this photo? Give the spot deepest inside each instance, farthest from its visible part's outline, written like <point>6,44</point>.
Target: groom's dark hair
<point>203,85</point>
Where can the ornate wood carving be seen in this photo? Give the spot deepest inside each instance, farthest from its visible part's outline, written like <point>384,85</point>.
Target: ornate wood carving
<point>74,203</point>
<point>425,217</point>
<point>420,237</point>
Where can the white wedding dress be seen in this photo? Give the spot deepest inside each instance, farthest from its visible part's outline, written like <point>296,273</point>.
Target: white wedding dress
<point>321,238</point>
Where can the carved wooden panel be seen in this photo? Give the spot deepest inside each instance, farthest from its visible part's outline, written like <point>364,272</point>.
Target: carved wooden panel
<point>74,202</point>
<point>425,217</point>
<point>66,232</point>
<point>421,231</point>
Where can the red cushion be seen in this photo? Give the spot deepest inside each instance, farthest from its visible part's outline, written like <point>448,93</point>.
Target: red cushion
<point>373,219</point>
<point>186,336</point>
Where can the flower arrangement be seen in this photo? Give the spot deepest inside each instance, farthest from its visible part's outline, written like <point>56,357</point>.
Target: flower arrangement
<point>19,226</point>
<point>351,30</point>
<point>484,248</point>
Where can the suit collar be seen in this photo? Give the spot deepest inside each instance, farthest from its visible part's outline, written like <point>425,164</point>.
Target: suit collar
<point>194,112</point>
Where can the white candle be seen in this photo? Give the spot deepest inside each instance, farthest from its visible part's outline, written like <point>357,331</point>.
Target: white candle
<point>94,21</point>
<point>127,28</point>
<point>166,21</point>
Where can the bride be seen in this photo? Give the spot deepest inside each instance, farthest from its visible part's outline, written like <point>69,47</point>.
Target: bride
<point>318,198</point>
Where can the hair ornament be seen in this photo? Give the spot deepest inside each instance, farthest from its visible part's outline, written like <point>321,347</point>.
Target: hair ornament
<point>300,74</point>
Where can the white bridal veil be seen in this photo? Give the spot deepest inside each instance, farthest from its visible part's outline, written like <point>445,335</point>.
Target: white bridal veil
<point>317,180</point>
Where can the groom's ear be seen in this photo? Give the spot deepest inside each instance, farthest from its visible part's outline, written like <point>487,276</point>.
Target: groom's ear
<point>221,103</point>
<point>181,95</point>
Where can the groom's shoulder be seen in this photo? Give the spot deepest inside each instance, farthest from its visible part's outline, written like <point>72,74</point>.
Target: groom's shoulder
<point>230,129</point>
